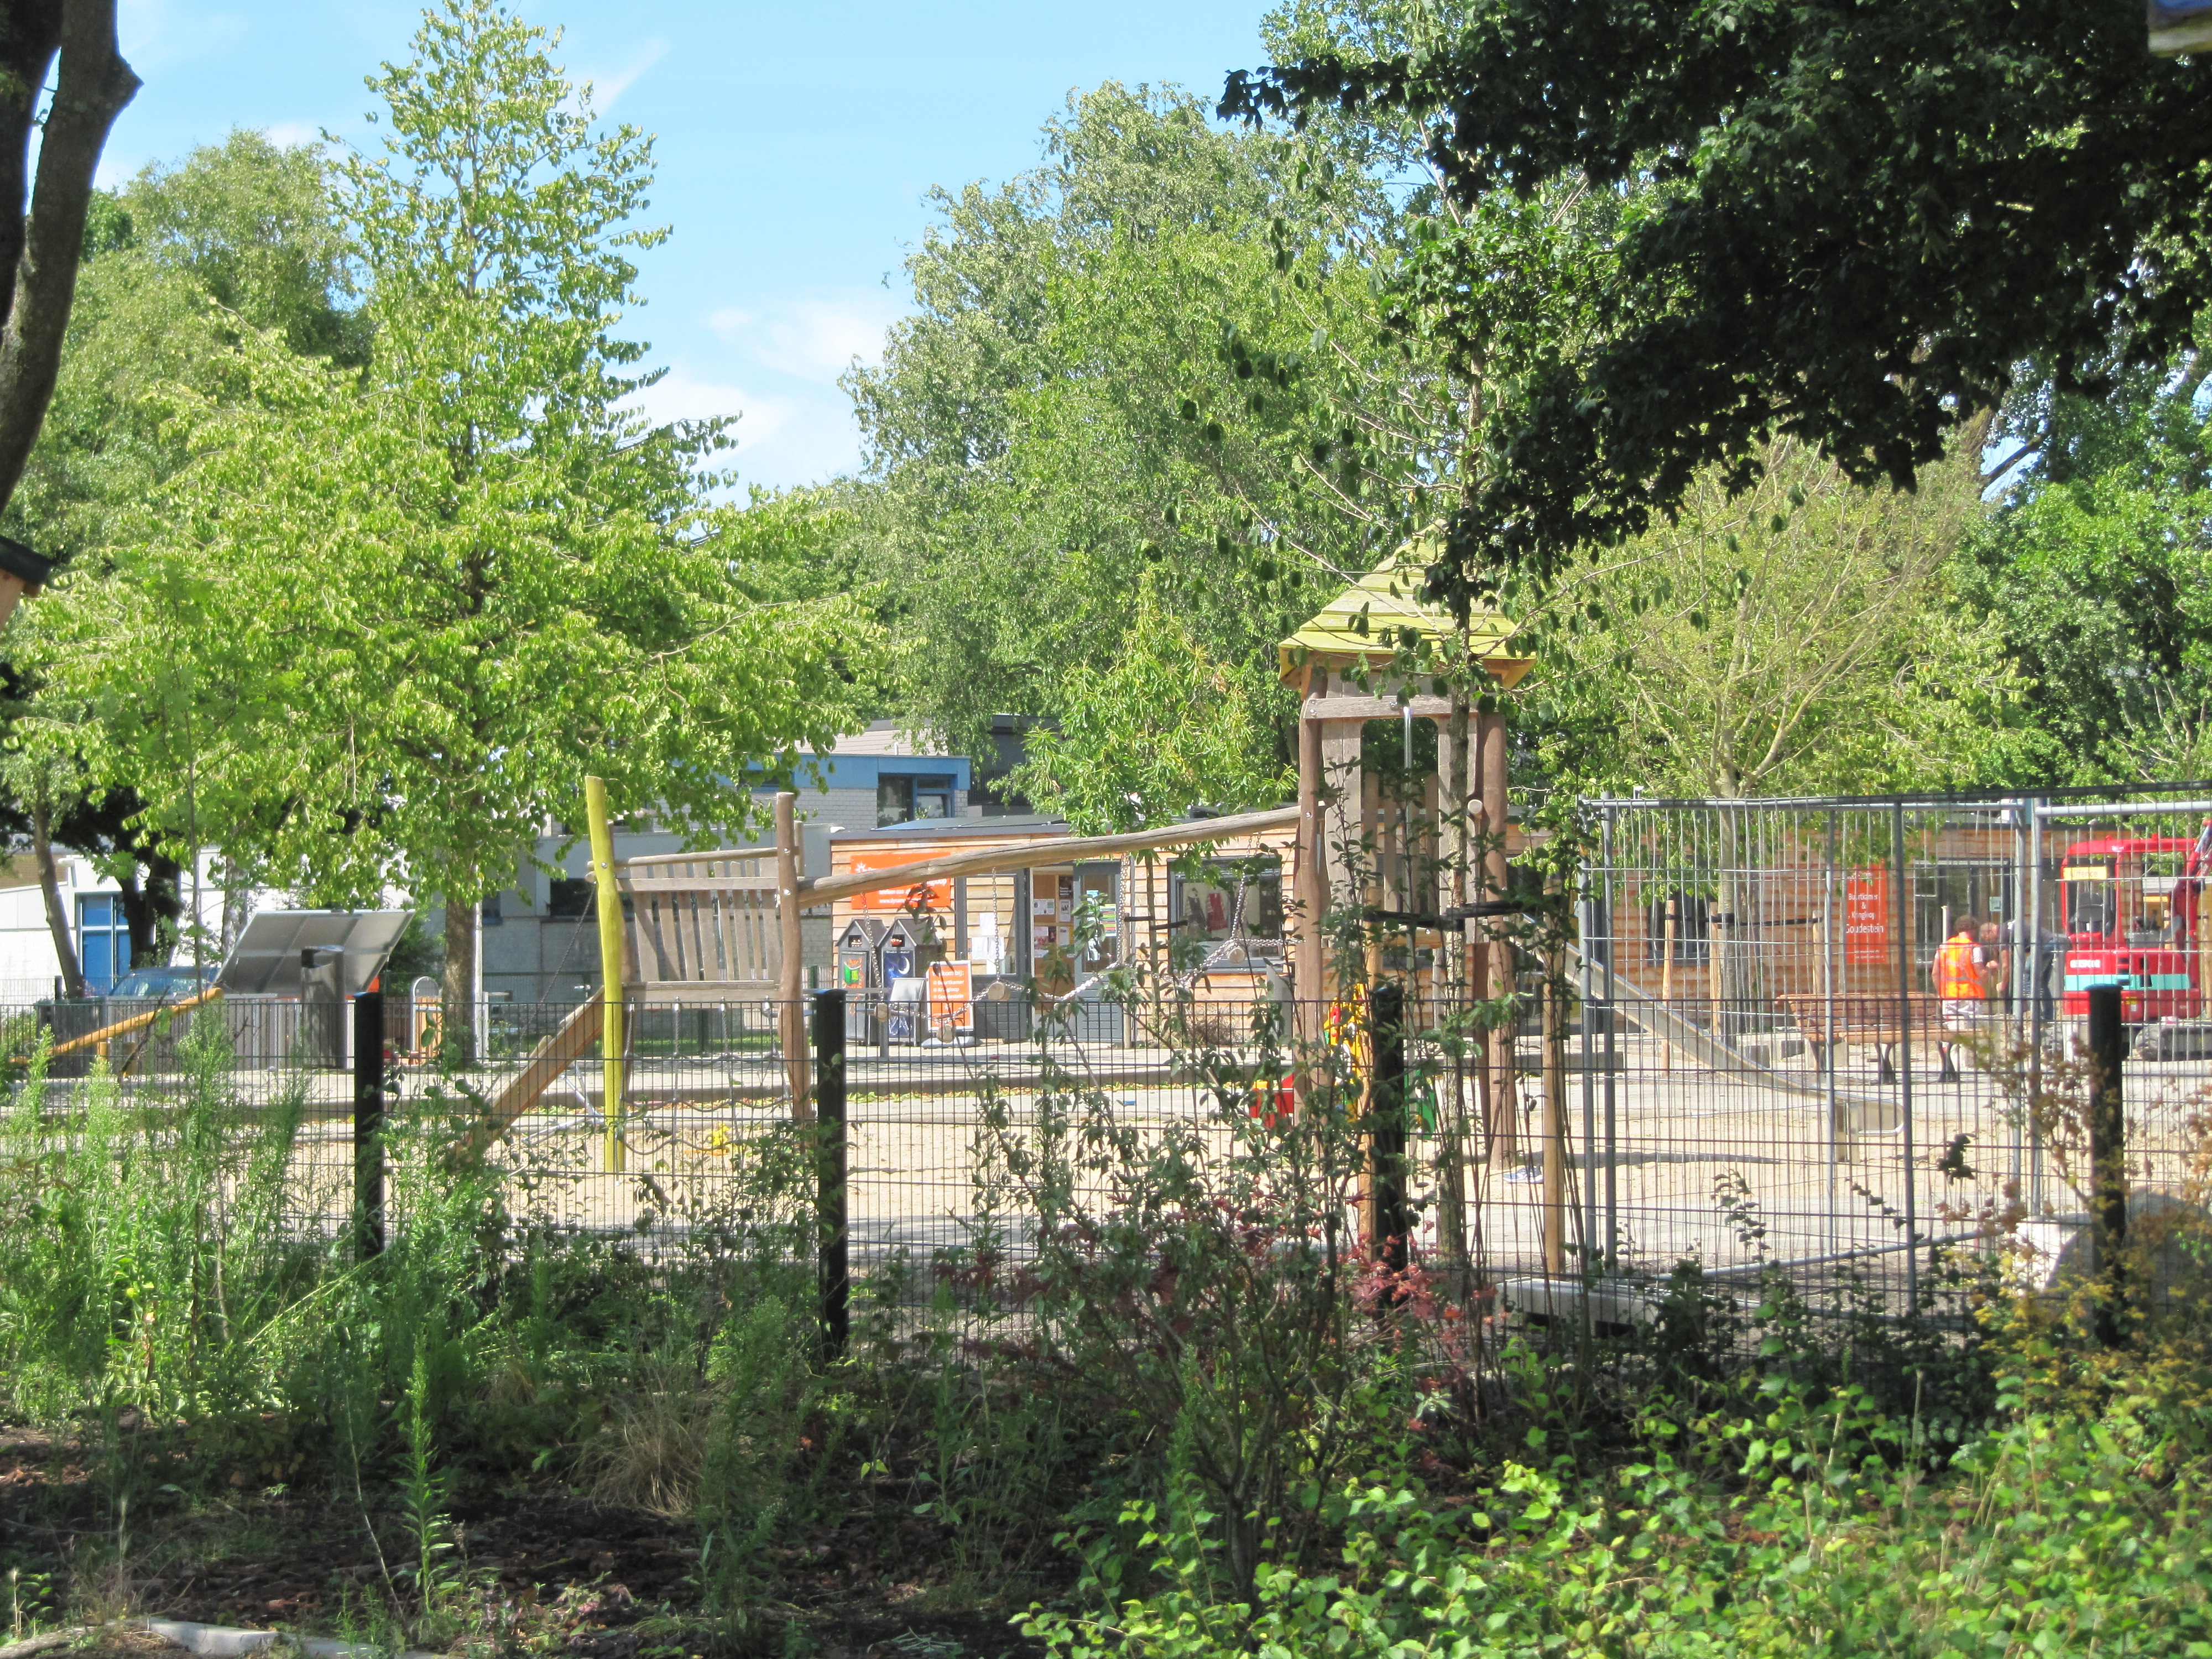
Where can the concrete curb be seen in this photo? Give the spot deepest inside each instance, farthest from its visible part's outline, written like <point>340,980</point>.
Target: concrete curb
<point>221,1642</point>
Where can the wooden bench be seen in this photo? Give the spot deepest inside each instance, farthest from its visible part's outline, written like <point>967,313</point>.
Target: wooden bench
<point>1868,1018</point>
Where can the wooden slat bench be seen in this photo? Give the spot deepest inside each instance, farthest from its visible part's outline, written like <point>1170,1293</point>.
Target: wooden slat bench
<point>1870,1019</point>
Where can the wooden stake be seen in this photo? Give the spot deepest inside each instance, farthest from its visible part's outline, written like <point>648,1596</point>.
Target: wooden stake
<point>790,1013</point>
<point>609,898</point>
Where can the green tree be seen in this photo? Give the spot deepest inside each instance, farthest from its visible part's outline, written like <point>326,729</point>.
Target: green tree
<point>177,262</point>
<point>1162,728</point>
<point>1159,358</point>
<point>389,616</point>
<point>1802,636</point>
<point>1871,214</point>
<point>2096,568</point>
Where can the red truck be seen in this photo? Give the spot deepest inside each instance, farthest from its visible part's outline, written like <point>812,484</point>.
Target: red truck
<point>2129,906</point>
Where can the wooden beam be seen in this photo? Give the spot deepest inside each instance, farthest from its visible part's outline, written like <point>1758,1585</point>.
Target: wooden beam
<point>135,1023</point>
<point>992,860</point>
<point>554,1054</point>
<point>1374,708</point>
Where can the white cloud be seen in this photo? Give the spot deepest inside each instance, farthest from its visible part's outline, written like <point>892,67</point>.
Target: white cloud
<point>814,338</point>
<point>681,395</point>
<point>605,89</point>
<point>289,133</point>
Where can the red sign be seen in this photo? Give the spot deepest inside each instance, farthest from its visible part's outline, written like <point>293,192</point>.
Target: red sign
<point>898,899</point>
<point>951,996</point>
<point>1866,915</point>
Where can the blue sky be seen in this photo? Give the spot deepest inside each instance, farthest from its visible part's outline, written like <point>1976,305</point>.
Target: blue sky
<point>795,145</point>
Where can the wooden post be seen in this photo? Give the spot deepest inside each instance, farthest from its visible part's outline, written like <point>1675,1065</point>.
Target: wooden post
<point>1503,1127</point>
<point>1311,966</point>
<point>791,991</point>
<point>612,1025</point>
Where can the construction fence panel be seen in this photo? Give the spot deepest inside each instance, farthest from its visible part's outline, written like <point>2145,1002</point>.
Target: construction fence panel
<point>1788,1065</point>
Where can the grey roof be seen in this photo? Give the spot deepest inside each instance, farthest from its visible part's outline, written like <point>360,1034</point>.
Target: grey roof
<point>934,829</point>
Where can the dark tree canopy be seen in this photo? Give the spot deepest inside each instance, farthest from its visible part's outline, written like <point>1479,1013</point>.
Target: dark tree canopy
<point>1865,216</point>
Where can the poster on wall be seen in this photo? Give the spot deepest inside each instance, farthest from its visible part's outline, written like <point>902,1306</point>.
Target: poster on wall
<point>1866,915</point>
<point>951,996</point>
<point>896,900</point>
<point>986,946</point>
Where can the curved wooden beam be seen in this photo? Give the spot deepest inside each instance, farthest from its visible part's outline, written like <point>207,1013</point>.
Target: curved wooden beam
<point>992,860</point>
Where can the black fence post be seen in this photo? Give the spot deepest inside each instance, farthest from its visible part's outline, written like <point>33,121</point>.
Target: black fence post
<point>2108,1170</point>
<point>369,1123</point>
<point>1386,1120</point>
<point>831,1239</point>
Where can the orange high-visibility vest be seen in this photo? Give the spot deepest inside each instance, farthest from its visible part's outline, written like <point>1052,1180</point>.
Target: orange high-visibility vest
<point>1956,976</point>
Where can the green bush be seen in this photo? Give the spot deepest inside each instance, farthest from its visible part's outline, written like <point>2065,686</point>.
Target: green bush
<point>1809,1530</point>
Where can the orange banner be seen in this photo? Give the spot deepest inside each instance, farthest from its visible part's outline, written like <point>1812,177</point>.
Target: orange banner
<point>1866,915</point>
<point>896,900</point>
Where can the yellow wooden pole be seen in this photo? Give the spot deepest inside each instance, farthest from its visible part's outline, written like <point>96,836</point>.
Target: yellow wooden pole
<point>791,985</point>
<point>610,994</point>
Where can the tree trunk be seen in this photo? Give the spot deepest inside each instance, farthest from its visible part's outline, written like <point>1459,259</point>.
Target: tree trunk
<point>457,988</point>
<point>146,908</point>
<point>49,888</point>
<point>234,897</point>
<point>91,88</point>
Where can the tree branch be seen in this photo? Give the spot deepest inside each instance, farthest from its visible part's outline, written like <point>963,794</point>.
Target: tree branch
<point>93,85</point>
<point>30,35</point>
<point>2013,459</point>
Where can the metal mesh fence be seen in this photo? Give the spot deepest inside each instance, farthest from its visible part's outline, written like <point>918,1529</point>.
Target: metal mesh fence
<point>1842,1033</point>
<point>1782,1045</point>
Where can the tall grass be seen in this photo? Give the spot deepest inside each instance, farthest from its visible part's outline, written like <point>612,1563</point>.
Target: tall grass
<point>175,1261</point>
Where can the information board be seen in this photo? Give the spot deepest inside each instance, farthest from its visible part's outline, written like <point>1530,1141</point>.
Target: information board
<point>1867,916</point>
<point>951,996</point>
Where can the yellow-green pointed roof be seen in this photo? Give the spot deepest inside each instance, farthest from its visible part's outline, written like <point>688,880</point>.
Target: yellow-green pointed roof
<point>1386,600</point>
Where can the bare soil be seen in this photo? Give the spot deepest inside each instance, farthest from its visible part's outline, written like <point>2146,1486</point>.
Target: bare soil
<point>541,1570</point>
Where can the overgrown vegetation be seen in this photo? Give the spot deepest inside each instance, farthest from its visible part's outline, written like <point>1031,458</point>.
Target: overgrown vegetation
<point>1159,1401</point>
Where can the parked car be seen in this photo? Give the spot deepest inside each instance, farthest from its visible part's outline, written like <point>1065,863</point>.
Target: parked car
<point>163,984</point>
<point>142,990</point>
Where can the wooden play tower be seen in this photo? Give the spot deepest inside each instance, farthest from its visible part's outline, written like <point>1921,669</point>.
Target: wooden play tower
<point>1427,844</point>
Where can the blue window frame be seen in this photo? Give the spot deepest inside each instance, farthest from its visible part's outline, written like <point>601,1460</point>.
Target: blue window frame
<point>103,941</point>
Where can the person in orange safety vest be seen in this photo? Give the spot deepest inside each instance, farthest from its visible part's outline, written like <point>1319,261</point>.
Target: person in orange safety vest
<point>1960,973</point>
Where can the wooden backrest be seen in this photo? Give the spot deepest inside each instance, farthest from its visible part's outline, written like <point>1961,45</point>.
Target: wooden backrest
<point>1860,1012</point>
<point>702,920</point>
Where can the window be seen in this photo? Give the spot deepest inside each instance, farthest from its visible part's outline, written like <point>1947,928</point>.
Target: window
<point>488,912</point>
<point>103,941</point>
<point>570,900</point>
<point>901,799</point>
<point>1234,911</point>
